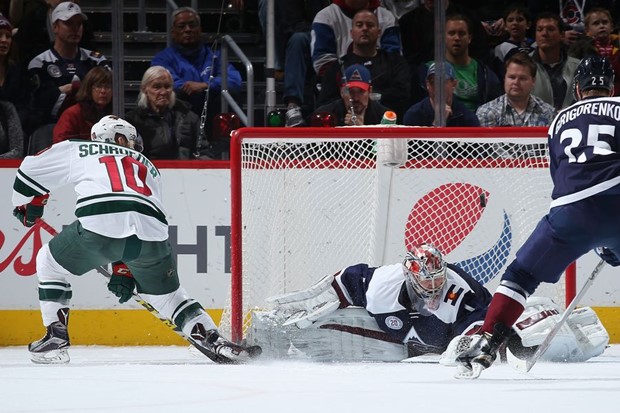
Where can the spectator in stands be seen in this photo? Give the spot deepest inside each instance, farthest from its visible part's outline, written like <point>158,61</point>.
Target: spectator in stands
<point>11,133</point>
<point>476,82</point>
<point>195,68</point>
<point>35,33</point>
<point>517,107</point>
<point>600,40</point>
<point>355,108</point>
<point>94,101</point>
<point>56,74</point>
<point>418,34</point>
<point>423,112</point>
<point>167,125</point>
<point>14,82</point>
<point>331,31</point>
<point>518,22</point>
<point>391,81</point>
<point>555,69</point>
<point>295,27</point>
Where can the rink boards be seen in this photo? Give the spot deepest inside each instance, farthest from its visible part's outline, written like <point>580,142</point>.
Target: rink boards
<point>197,201</point>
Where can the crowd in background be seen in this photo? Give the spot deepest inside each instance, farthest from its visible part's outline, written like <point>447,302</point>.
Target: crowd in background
<point>507,63</point>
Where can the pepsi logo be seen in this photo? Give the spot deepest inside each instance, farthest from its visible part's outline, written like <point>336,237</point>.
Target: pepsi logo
<point>465,223</point>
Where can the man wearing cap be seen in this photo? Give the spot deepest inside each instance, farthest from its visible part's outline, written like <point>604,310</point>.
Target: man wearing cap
<point>423,112</point>
<point>355,107</point>
<point>56,73</point>
<point>391,79</point>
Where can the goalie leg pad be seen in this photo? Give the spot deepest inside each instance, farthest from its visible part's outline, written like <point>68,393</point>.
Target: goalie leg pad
<point>346,335</point>
<point>591,335</point>
<point>303,308</point>
<point>581,338</point>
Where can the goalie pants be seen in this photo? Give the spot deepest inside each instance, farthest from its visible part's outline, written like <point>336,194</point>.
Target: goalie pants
<point>566,233</point>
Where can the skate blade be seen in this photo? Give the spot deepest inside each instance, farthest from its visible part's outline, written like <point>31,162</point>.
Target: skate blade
<point>466,373</point>
<point>60,356</point>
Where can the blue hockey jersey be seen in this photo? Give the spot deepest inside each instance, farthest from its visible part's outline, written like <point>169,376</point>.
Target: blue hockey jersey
<point>383,292</point>
<point>584,149</point>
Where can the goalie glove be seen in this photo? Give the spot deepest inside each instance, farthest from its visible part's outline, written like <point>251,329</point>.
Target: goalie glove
<point>121,282</point>
<point>608,255</point>
<point>29,213</point>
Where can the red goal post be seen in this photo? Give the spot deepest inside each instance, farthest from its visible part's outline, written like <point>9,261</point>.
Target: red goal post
<point>306,202</point>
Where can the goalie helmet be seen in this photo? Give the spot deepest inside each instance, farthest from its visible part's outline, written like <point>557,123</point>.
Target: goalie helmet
<point>425,271</point>
<point>112,129</point>
<point>593,72</point>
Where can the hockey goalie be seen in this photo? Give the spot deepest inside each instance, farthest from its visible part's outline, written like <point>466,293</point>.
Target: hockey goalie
<point>420,306</point>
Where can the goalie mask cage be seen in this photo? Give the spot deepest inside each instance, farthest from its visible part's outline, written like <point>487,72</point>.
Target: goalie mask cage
<point>307,202</point>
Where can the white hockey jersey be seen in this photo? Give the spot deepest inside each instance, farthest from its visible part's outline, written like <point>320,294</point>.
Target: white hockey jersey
<point>118,189</point>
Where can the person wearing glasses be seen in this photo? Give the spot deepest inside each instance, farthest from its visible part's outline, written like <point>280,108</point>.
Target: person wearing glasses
<point>94,99</point>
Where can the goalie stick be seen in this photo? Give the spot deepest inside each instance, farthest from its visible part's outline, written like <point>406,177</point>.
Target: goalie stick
<point>527,364</point>
<point>253,351</point>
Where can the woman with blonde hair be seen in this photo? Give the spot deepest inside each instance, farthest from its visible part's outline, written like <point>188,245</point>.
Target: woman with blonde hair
<point>94,101</point>
<point>167,125</point>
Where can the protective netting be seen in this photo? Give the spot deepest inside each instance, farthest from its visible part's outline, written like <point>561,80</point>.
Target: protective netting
<point>311,206</point>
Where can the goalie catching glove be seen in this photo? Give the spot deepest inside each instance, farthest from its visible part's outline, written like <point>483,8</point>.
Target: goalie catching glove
<point>29,213</point>
<point>121,282</point>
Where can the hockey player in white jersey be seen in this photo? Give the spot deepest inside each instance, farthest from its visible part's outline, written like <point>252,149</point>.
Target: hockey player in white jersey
<point>120,217</point>
<point>426,304</point>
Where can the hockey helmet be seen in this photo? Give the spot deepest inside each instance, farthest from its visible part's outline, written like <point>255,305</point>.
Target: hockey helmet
<point>425,271</point>
<point>593,72</point>
<point>112,129</point>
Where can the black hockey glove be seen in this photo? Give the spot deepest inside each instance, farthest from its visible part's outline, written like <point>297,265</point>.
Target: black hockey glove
<point>121,282</point>
<point>28,214</point>
<point>608,255</point>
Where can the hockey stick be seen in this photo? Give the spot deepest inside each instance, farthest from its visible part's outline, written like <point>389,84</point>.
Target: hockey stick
<point>527,364</point>
<point>169,323</point>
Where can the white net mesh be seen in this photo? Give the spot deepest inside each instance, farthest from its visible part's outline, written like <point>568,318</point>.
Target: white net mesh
<point>311,206</point>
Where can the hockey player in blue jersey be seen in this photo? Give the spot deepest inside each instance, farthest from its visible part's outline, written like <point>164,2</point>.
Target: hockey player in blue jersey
<point>423,302</point>
<point>584,151</point>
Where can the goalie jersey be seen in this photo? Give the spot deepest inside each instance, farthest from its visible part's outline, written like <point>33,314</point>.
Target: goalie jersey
<point>383,292</point>
<point>118,189</point>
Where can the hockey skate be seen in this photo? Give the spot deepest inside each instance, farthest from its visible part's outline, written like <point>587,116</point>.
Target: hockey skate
<point>482,352</point>
<point>220,350</point>
<point>51,349</point>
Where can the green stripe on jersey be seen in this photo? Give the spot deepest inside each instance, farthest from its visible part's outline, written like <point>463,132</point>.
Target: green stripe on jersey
<point>116,206</point>
<point>34,189</point>
<point>130,197</point>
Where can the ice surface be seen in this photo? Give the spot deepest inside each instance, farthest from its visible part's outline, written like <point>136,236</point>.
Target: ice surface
<point>173,379</point>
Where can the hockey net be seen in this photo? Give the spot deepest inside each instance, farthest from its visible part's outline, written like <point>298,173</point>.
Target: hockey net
<point>306,202</point>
